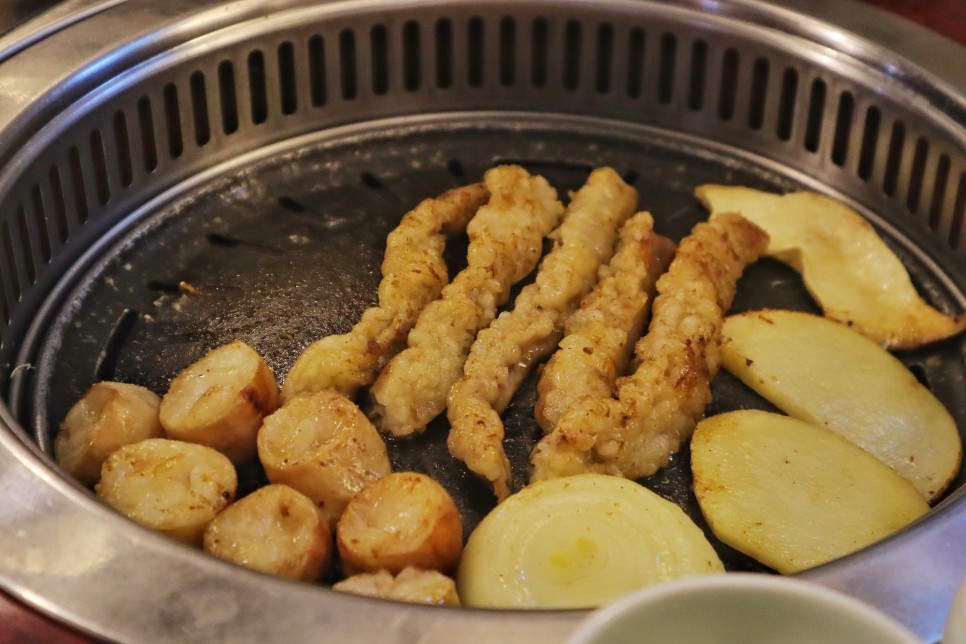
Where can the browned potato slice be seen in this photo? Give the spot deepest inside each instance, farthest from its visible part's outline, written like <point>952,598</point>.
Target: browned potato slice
<point>404,519</point>
<point>410,585</point>
<point>824,373</point>
<point>172,487</point>
<point>220,401</point>
<point>793,495</point>
<point>108,416</point>
<point>846,266</point>
<point>322,445</point>
<point>274,530</point>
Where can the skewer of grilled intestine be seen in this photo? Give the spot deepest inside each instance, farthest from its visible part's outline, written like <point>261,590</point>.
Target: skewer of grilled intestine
<point>599,337</point>
<point>506,241</point>
<point>503,353</point>
<point>414,274</point>
<point>658,405</point>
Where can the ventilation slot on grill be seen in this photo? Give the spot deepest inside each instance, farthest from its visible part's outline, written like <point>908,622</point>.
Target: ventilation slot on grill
<point>148,141</point>
<point>939,192</point>
<point>475,50</point>
<point>508,51</point>
<point>843,127</point>
<point>99,166</point>
<point>699,65</point>
<point>894,158</point>
<point>228,97</point>
<point>288,90</point>
<point>78,184</point>
<point>412,59</point>
<point>379,54</point>
<point>317,77</point>
<point>635,63</point>
<point>39,217</point>
<point>816,114</point>
<point>5,308</point>
<point>256,87</point>
<point>729,85</point>
<point>172,116</point>
<point>24,250</point>
<point>59,205</point>
<point>957,228</point>
<point>347,63</point>
<point>444,53</point>
<point>870,139</point>
<point>572,54</point>
<point>122,149</point>
<point>199,108</point>
<point>759,94</point>
<point>605,58</point>
<point>917,174</point>
<point>10,284</point>
<point>539,41</point>
<point>665,83</point>
<point>786,106</point>
<point>108,358</point>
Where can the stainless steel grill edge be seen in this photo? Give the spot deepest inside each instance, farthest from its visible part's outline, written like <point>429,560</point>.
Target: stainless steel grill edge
<point>109,118</point>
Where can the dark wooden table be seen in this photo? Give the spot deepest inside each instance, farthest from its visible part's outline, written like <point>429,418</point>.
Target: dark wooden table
<point>21,625</point>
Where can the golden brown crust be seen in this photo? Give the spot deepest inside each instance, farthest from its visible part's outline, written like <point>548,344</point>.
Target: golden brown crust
<point>275,530</point>
<point>414,274</point>
<point>220,401</point>
<point>506,241</point>
<point>404,519</point>
<point>411,585</point>
<point>600,335</point>
<point>322,445</point>
<point>657,407</point>
<point>504,352</point>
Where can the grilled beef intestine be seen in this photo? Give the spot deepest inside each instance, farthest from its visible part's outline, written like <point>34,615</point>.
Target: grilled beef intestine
<point>505,352</point>
<point>506,241</point>
<point>656,408</point>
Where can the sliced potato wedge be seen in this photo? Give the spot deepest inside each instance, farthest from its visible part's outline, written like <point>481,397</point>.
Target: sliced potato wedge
<point>793,495</point>
<point>825,373</point>
<point>411,585</point>
<point>220,401</point>
<point>846,266</point>
<point>274,530</point>
<point>405,519</point>
<point>173,487</point>
<point>107,417</point>
<point>322,445</point>
<point>578,542</point>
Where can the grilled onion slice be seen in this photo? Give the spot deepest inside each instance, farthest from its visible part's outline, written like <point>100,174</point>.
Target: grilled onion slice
<point>578,542</point>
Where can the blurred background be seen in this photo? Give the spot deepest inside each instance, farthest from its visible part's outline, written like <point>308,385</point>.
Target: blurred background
<point>947,17</point>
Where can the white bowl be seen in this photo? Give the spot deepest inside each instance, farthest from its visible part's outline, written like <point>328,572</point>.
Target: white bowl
<point>739,607</point>
<point>955,632</point>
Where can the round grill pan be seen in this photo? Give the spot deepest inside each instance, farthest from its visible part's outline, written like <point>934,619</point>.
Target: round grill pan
<point>220,171</point>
